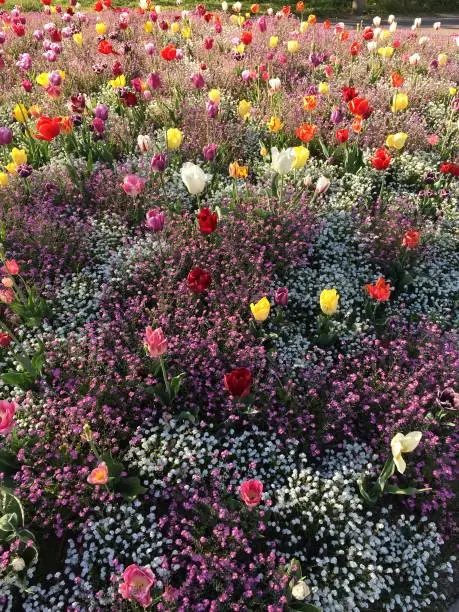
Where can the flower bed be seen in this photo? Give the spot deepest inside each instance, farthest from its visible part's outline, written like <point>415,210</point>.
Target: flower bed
<point>228,346</point>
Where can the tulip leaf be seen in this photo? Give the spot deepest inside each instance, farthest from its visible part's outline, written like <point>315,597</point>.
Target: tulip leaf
<point>129,487</point>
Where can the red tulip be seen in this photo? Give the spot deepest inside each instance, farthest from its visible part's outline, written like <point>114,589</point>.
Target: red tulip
<point>381,159</point>
<point>105,47</point>
<point>411,239</point>
<point>450,168</point>
<point>342,135</point>
<point>198,280</point>
<point>380,291</point>
<point>207,221</point>
<point>360,107</point>
<point>251,492</point>
<point>238,382</point>
<point>349,93</point>
<point>169,52</point>
<point>47,128</point>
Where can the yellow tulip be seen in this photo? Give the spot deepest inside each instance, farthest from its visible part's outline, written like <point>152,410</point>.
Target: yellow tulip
<point>260,310</point>
<point>186,32</point>
<point>293,46</point>
<point>175,27</point>
<point>386,52</point>
<point>404,444</point>
<point>273,42</point>
<point>214,96</point>
<point>324,88</point>
<point>148,27</point>
<point>240,48</point>
<point>274,125</point>
<point>101,28</point>
<point>4,180</point>
<point>396,141</point>
<point>385,34</point>
<point>329,299</point>
<point>236,171</point>
<point>78,39</point>
<point>263,151</point>
<point>20,113</point>
<point>174,138</point>
<point>19,156</point>
<point>11,168</point>
<point>452,91</point>
<point>301,157</point>
<point>120,81</point>
<point>442,59</point>
<point>304,26</point>
<point>43,79</point>
<point>243,109</point>
<point>240,20</point>
<point>399,102</point>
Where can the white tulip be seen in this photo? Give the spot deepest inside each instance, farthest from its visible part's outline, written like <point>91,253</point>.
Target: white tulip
<point>300,591</point>
<point>270,11</point>
<point>376,32</point>
<point>144,142</point>
<point>18,564</point>
<point>224,6</point>
<point>391,19</point>
<point>437,25</point>
<point>322,184</point>
<point>404,444</point>
<point>282,161</point>
<point>393,27</point>
<point>414,59</point>
<point>417,22</point>
<point>194,177</point>
<point>371,45</point>
<point>376,21</point>
<point>237,7</point>
<point>275,84</point>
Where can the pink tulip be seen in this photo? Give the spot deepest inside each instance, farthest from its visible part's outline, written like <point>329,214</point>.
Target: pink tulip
<point>155,342</point>
<point>7,411</point>
<point>155,219</point>
<point>251,492</point>
<point>11,267</point>
<point>137,584</point>
<point>133,184</point>
<point>99,475</point>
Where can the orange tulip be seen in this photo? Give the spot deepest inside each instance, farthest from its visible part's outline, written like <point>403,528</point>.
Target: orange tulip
<point>306,132</point>
<point>309,103</point>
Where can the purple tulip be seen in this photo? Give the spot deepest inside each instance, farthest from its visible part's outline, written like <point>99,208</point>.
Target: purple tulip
<point>98,125</point>
<point>155,219</point>
<point>198,80</point>
<point>336,116</point>
<point>6,135</point>
<point>281,296</point>
<point>158,162</point>
<point>211,109</point>
<point>154,80</point>
<point>101,112</point>
<point>210,151</point>
<point>24,62</point>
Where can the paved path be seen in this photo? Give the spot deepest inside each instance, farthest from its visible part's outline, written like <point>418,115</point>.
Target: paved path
<point>448,21</point>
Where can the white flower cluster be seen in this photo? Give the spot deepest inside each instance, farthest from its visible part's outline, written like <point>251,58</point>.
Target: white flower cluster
<point>123,536</point>
<point>339,261</point>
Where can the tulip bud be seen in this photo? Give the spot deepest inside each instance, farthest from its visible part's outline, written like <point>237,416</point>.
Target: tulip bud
<point>322,185</point>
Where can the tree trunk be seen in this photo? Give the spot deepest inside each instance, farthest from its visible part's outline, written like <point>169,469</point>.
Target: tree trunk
<point>358,6</point>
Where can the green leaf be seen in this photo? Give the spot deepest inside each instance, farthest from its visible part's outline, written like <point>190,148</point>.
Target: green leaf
<point>263,214</point>
<point>304,607</point>
<point>186,416</point>
<point>129,487</point>
<point>22,380</point>
<point>9,465</point>
<point>114,467</point>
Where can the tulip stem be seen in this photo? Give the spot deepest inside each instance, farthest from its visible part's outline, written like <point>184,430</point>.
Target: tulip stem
<point>166,380</point>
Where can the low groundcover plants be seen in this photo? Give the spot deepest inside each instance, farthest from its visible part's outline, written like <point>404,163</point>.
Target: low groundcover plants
<point>228,310</point>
